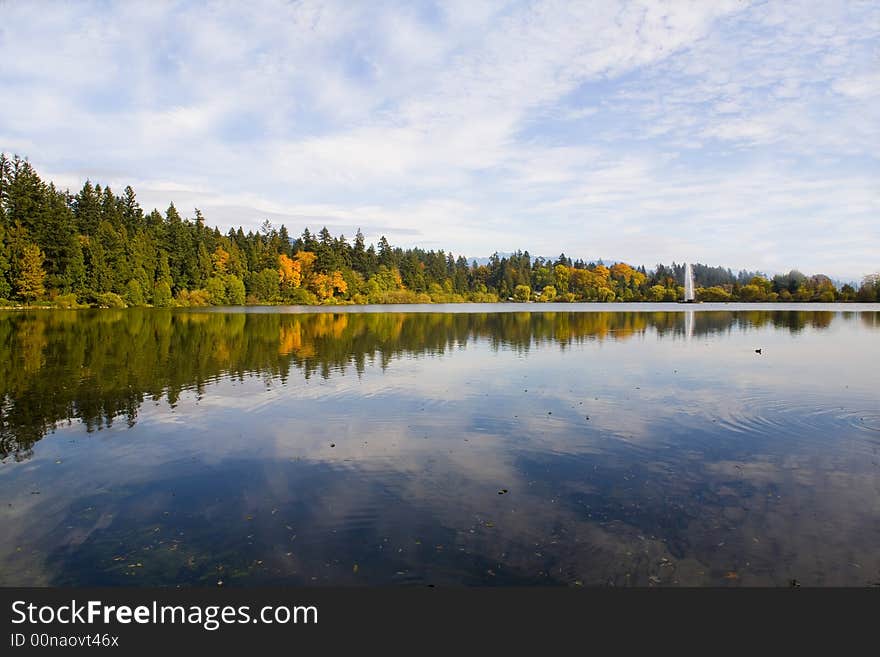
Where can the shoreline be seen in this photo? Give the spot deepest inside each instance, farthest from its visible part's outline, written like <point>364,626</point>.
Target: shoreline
<point>497,306</point>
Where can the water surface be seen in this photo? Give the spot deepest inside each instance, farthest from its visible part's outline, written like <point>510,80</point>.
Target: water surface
<point>569,445</point>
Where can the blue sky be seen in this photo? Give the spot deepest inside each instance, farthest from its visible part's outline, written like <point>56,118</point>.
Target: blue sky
<point>739,133</point>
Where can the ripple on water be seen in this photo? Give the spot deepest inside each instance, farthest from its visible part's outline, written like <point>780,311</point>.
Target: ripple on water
<point>807,418</point>
<point>869,421</point>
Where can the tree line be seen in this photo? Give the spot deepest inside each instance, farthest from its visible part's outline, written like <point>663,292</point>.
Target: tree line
<point>100,248</point>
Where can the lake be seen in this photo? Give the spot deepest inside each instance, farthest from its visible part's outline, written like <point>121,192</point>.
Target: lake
<point>504,444</point>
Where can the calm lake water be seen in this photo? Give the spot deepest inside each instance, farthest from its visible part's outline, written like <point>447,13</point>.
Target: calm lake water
<point>465,445</point>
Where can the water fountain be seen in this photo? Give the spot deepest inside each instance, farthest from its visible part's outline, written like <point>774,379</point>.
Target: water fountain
<point>689,294</point>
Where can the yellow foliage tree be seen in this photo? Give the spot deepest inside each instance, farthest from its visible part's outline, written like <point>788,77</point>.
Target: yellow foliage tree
<point>338,282</point>
<point>289,273</point>
<point>561,275</point>
<point>621,270</point>
<point>306,260</point>
<point>602,272</point>
<point>220,258</point>
<point>325,285</point>
<point>30,275</point>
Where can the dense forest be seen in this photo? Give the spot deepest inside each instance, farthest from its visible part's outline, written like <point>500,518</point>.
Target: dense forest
<point>98,248</point>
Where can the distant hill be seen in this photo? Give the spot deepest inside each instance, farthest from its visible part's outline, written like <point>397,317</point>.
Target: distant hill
<point>484,260</point>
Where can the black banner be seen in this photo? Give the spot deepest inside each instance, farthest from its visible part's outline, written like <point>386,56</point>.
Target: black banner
<point>128,620</point>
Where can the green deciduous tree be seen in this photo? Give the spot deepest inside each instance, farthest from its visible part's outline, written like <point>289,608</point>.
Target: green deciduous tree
<point>522,293</point>
<point>162,295</point>
<point>235,292</point>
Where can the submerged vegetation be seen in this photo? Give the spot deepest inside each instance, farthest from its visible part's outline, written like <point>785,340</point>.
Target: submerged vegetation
<point>101,249</point>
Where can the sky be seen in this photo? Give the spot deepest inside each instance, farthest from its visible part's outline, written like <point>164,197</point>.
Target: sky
<point>737,133</point>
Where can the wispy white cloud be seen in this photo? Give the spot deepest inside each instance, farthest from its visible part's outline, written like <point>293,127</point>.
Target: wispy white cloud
<point>733,132</point>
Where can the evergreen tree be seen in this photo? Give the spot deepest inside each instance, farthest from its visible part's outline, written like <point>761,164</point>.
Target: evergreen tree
<point>25,196</point>
<point>5,181</point>
<point>87,210</point>
<point>386,256</point>
<point>5,266</point>
<point>284,241</point>
<point>56,236</point>
<point>132,215</point>
<point>359,252</point>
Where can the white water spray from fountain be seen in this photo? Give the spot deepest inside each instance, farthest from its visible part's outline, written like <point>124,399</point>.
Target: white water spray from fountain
<point>689,295</point>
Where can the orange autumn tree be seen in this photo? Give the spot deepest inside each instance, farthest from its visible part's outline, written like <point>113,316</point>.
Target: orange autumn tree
<point>299,272</point>
<point>585,283</point>
<point>622,271</point>
<point>628,280</point>
<point>292,271</point>
<point>289,272</point>
<point>325,285</point>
